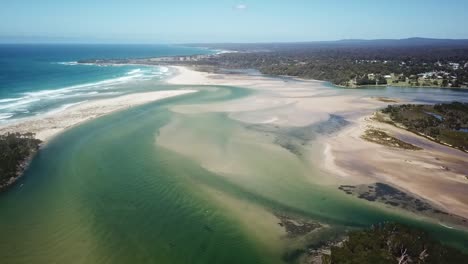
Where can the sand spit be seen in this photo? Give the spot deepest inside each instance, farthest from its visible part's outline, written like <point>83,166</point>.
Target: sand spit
<point>48,125</point>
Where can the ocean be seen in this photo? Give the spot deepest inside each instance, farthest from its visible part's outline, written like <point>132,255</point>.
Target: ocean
<point>36,79</point>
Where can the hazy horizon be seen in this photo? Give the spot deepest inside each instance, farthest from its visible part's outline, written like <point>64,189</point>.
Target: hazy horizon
<point>209,21</point>
<point>72,42</point>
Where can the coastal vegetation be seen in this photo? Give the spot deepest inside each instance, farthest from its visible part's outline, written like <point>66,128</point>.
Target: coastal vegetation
<point>392,243</point>
<point>382,138</point>
<point>409,62</point>
<point>15,151</point>
<point>445,123</point>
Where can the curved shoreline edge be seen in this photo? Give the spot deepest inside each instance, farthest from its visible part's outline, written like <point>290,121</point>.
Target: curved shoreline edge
<point>22,167</point>
<point>47,126</point>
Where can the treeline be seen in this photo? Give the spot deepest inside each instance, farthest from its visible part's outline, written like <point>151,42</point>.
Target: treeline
<point>392,243</point>
<point>447,123</point>
<point>418,50</point>
<point>15,149</point>
<point>340,62</point>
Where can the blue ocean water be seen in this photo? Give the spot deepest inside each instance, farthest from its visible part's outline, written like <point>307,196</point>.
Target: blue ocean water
<point>39,78</point>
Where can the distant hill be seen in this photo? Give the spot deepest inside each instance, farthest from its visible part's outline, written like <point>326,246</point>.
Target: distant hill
<point>404,42</point>
<point>345,43</point>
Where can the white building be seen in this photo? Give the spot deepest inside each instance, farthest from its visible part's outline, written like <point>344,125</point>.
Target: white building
<point>454,65</point>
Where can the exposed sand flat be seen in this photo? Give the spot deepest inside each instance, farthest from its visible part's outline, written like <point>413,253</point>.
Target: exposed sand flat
<point>286,102</point>
<point>436,173</point>
<point>48,125</point>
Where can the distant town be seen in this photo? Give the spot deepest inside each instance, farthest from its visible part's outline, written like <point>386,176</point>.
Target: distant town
<point>444,74</point>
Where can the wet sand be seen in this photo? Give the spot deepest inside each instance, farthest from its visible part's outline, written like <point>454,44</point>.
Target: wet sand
<point>436,173</point>
<point>49,125</point>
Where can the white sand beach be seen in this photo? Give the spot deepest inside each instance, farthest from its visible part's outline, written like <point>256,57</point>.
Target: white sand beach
<point>48,125</point>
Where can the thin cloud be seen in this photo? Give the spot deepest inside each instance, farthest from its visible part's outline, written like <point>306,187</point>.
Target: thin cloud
<point>240,7</point>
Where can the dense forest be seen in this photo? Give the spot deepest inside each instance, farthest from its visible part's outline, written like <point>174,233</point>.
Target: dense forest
<point>15,149</point>
<point>447,123</point>
<point>392,243</point>
<point>351,62</point>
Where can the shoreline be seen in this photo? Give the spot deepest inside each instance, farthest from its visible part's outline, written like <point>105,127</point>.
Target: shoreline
<point>171,62</point>
<point>23,166</point>
<point>390,85</point>
<point>48,125</point>
<point>402,127</point>
<point>435,173</point>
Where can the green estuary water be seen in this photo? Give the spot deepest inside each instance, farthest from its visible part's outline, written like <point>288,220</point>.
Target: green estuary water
<point>151,185</point>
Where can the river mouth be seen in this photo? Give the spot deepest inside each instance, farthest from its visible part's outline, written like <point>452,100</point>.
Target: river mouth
<point>159,184</point>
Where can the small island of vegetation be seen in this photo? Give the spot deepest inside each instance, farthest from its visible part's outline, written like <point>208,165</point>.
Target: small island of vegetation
<point>382,138</point>
<point>15,152</point>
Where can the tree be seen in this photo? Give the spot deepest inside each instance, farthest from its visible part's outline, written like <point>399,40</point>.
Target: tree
<point>392,243</point>
<point>15,148</point>
<point>444,83</point>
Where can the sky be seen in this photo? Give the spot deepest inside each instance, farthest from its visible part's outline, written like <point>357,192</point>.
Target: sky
<point>204,21</point>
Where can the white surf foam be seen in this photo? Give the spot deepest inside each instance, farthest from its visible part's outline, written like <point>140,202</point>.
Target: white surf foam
<point>163,69</point>
<point>28,101</point>
<point>63,107</point>
<point>4,116</point>
<point>6,100</point>
<point>69,63</point>
<point>19,103</point>
<point>132,72</point>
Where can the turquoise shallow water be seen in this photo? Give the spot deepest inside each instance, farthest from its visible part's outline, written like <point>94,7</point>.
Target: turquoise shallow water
<point>105,192</point>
